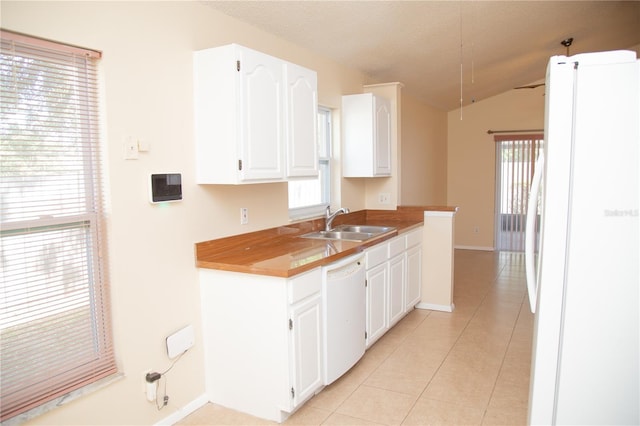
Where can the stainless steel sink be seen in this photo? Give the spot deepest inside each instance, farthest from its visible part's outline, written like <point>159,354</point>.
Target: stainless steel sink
<point>350,233</point>
<point>364,228</point>
<point>339,235</point>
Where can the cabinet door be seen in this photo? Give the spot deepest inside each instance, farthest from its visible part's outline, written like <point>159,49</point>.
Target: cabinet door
<point>215,115</point>
<point>377,324</point>
<point>302,121</point>
<point>366,123</point>
<point>414,276</point>
<point>306,349</point>
<point>396,289</point>
<point>382,137</point>
<point>261,110</point>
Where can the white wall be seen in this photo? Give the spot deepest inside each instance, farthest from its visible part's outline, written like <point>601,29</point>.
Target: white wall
<point>423,155</point>
<point>471,158</point>
<point>147,84</point>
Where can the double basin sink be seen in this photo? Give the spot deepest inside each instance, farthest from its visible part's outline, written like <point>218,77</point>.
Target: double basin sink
<point>350,233</point>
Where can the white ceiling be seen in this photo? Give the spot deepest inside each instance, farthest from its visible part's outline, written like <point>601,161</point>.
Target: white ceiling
<point>500,44</point>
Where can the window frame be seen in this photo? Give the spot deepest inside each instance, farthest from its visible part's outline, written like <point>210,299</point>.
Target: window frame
<point>75,226</point>
<point>324,169</point>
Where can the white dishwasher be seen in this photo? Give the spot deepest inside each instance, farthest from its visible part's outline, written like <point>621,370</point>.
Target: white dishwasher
<point>343,287</point>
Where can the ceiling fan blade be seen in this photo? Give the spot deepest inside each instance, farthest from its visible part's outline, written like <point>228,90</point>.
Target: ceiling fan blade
<point>530,86</point>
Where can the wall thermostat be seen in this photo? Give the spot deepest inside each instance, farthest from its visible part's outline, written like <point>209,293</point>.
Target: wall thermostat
<point>165,187</point>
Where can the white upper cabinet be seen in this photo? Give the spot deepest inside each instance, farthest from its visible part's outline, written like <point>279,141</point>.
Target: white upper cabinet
<point>243,123</point>
<point>366,123</point>
<point>302,121</point>
<point>262,114</point>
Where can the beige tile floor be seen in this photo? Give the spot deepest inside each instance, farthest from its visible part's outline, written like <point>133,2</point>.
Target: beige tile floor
<point>468,367</point>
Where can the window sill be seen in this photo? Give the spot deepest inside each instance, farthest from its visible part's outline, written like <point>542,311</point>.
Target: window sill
<point>71,396</point>
<point>305,213</point>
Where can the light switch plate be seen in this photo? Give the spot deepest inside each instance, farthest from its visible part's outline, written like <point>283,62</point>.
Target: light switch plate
<point>180,341</point>
<point>130,148</point>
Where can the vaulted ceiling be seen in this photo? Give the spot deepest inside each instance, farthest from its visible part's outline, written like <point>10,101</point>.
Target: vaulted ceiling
<point>442,49</point>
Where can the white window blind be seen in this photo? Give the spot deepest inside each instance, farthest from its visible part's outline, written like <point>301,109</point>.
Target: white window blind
<point>54,304</point>
<point>516,157</point>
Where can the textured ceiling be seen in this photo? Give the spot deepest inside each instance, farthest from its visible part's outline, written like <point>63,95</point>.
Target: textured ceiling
<point>500,44</point>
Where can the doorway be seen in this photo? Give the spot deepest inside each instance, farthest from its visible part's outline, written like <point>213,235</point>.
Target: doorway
<point>516,157</point>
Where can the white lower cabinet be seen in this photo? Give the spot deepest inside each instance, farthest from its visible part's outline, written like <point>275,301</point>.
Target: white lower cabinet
<point>306,348</point>
<point>376,290</point>
<point>414,276</point>
<point>394,276</point>
<point>377,283</point>
<point>262,340</point>
<point>397,279</point>
<point>263,336</point>
<point>413,258</point>
<point>396,289</point>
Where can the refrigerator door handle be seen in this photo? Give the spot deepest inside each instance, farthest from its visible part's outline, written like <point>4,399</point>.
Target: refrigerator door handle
<point>530,233</point>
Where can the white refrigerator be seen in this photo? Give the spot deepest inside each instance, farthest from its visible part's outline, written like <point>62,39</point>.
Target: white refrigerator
<point>583,281</point>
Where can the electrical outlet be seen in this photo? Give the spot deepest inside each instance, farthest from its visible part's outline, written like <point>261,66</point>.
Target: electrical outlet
<point>145,383</point>
<point>244,216</point>
<point>151,385</point>
<point>384,198</point>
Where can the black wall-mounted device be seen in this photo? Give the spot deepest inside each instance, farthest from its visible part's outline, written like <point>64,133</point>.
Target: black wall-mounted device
<point>165,187</point>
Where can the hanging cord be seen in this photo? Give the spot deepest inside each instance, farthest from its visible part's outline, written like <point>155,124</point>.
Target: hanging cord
<point>473,33</point>
<point>461,81</point>
<point>473,79</point>
<point>173,363</point>
<point>165,397</point>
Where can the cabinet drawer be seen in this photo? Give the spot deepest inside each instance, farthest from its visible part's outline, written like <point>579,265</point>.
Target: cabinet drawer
<point>304,285</point>
<point>396,246</point>
<point>376,255</point>
<point>414,237</point>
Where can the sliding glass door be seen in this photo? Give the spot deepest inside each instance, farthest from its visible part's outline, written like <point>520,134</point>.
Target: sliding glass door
<point>516,157</point>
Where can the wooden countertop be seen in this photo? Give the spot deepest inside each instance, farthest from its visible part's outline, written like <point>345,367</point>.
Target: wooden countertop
<point>281,252</point>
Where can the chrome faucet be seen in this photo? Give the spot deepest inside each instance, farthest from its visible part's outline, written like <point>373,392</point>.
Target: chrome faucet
<point>330,216</point>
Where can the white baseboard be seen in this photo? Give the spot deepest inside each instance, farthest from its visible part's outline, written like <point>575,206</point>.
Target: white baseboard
<point>184,411</point>
<point>475,248</point>
<point>434,307</point>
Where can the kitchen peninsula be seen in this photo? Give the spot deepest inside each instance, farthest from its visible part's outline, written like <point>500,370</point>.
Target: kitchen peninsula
<point>265,300</point>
